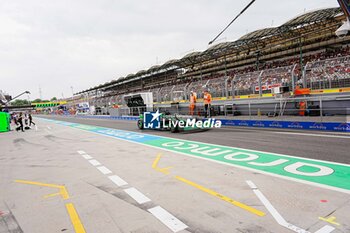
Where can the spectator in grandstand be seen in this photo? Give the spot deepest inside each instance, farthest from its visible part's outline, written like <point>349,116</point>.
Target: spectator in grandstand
<point>207,103</point>
<point>193,100</point>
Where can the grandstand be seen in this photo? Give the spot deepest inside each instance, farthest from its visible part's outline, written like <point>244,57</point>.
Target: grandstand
<point>303,51</point>
<point>4,98</point>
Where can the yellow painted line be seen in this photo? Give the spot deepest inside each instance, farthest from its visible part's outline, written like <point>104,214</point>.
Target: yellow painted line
<point>155,162</point>
<point>164,170</point>
<point>62,190</point>
<point>74,217</point>
<point>52,195</point>
<point>155,165</point>
<point>78,226</point>
<point>330,220</point>
<point>222,197</point>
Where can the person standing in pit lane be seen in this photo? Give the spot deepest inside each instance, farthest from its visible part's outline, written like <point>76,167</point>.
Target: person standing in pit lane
<point>193,101</point>
<point>30,119</point>
<point>20,122</point>
<point>207,103</point>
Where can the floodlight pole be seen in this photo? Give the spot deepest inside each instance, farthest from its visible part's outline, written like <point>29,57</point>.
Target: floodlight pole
<point>26,92</point>
<point>245,8</point>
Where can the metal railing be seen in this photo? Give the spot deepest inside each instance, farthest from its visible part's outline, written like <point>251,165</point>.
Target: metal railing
<point>326,74</point>
<point>299,109</point>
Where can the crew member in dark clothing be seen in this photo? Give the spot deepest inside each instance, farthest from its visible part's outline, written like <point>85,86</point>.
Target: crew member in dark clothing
<point>30,119</point>
<point>20,122</point>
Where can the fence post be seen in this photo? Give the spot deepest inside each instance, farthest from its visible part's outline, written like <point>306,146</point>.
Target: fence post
<point>321,109</point>
<point>304,75</point>
<point>260,84</point>
<point>158,92</point>
<point>172,94</point>
<point>293,77</point>
<point>226,90</point>
<point>186,91</point>
<point>250,113</point>
<point>233,87</point>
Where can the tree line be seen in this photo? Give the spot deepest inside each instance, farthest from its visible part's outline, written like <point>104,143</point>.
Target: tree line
<point>23,102</point>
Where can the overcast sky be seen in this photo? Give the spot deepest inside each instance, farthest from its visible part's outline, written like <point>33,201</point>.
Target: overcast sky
<point>82,43</point>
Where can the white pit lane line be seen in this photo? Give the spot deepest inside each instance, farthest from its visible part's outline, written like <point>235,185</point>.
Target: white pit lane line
<point>104,170</point>
<point>326,229</point>
<point>167,219</point>
<point>137,195</point>
<point>94,162</point>
<point>158,212</point>
<point>279,219</point>
<point>86,156</point>
<point>117,180</point>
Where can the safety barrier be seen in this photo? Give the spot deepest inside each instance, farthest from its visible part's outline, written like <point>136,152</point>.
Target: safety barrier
<point>302,125</point>
<point>279,124</point>
<point>126,118</point>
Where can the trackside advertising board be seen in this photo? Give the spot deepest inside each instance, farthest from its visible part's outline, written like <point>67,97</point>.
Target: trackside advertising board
<point>327,126</point>
<point>325,174</point>
<point>303,125</point>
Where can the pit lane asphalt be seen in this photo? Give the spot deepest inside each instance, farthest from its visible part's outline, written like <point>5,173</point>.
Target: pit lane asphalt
<point>306,144</point>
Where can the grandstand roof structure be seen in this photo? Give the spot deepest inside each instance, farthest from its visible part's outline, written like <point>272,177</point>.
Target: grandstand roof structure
<point>170,63</point>
<point>252,40</point>
<point>313,17</point>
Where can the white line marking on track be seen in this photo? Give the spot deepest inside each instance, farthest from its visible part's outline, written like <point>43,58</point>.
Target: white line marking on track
<point>94,162</point>
<point>81,152</point>
<point>36,128</point>
<point>279,219</point>
<point>313,135</point>
<point>230,147</point>
<point>86,156</point>
<point>48,127</point>
<point>233,165</point>
<point>104,170</point>
<point>167,219</point>
<point>117,180</point>
<point>137,195</point>
<point>326,229</point>
<point>251,184</point>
